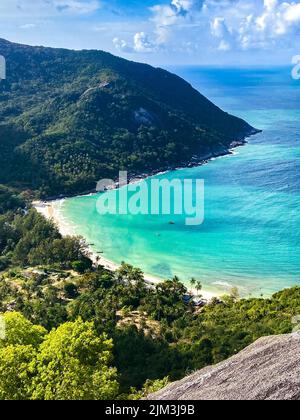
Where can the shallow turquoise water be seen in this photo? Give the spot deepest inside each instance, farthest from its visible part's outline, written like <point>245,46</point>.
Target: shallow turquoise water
<point>250,237</point>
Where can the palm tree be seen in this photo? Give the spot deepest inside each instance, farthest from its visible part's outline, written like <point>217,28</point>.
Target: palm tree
<point>176,279</point>
<point>193,282</point>
<point>198,287</point>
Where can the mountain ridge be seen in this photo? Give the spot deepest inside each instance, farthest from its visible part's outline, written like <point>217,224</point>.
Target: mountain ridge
<point>69,118</point>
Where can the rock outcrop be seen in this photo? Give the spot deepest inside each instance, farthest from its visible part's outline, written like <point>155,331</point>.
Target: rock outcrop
<point>269,369</point>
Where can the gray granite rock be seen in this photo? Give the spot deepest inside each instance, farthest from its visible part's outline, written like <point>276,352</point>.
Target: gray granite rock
<point>269,369</point>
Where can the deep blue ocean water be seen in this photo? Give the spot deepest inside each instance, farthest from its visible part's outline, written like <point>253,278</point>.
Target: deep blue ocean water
<point>250,237</point>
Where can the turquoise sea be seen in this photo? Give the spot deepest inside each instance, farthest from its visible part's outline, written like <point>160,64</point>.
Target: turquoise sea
<point>250,237</point>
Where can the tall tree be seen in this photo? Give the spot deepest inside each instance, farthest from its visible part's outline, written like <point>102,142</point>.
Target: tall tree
<point>74,364</point>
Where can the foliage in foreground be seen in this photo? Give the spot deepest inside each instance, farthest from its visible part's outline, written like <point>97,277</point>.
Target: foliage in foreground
<point>148,344</point>
<point>70,363</point>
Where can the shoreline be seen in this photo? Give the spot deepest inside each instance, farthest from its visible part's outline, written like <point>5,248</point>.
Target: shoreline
<point>195,162</point>
<point>49,209</point>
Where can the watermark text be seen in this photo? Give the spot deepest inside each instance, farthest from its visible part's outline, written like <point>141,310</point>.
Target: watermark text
<point>2,328</point>
<point>2,68</point>
<point>154,196</point>
<point>296,68</point>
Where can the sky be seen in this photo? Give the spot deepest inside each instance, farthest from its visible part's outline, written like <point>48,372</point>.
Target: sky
<point>161,32</point>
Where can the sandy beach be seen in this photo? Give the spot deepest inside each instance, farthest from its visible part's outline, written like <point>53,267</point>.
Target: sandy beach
<point>50,210</point>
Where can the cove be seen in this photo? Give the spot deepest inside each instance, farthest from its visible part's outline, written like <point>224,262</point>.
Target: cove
<point>250,237</point>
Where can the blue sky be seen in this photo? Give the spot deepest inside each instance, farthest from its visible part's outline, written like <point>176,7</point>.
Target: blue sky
<point>224,32</point>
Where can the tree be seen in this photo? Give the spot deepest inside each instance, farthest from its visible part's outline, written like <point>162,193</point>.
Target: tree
<point>70,363</point>
<point>16,372</point>
<point>71,290</point>
<point>20,331</point>
<point>235,294</point>
<point>129,274</point>
<point>150,387</point>
<point>166,302</point>
<point>74,364</point>
<point>82,266</point>
<point>193,282</point>
<point>18,349</point>
<point>198,286</point>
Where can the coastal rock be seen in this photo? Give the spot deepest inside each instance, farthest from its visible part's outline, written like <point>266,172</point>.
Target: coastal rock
<point>269,369</point>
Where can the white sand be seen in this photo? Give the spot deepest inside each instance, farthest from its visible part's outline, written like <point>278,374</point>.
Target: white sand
<point>50,210</point>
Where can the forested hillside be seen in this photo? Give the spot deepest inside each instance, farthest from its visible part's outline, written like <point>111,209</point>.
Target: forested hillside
<point>69,118</point>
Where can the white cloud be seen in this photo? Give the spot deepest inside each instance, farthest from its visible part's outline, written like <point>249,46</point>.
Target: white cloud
<point>176,11</point>
<point>220,31</point>
<point>292,13</point>
<point>219,24</point>
<point>175,14</point>
<point>219,28</point>
<point>121,45</point>
<point>274,24</point>
<point>166,19</point>
<point>142,43</point>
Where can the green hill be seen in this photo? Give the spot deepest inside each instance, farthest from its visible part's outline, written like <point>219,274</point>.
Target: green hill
<point>69,118</point>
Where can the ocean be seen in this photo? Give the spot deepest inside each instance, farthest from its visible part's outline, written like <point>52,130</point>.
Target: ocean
<point>250,237</point>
